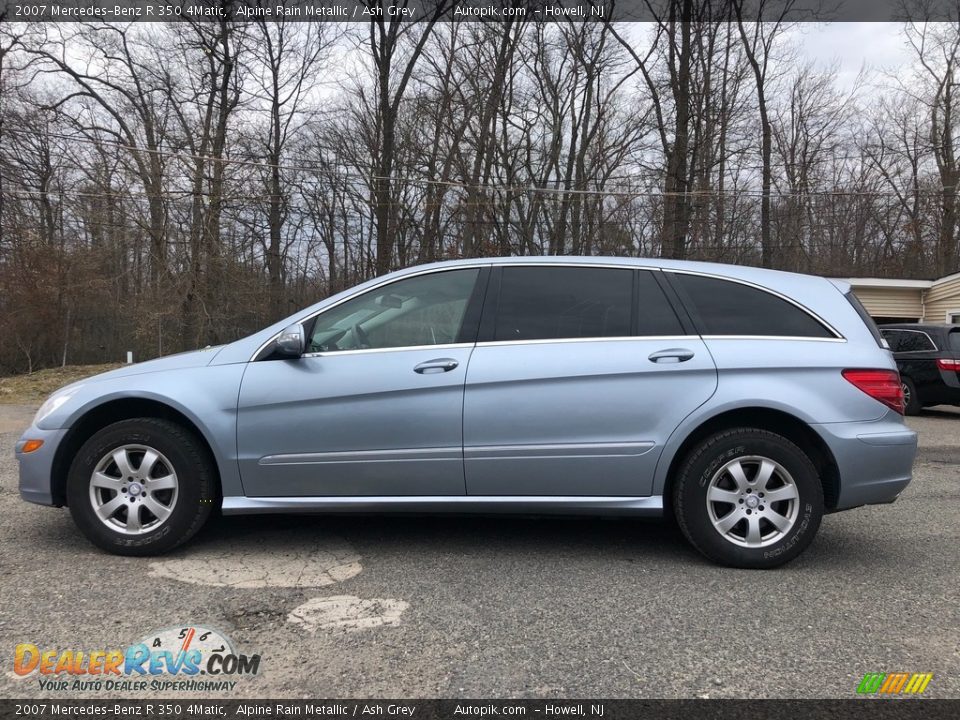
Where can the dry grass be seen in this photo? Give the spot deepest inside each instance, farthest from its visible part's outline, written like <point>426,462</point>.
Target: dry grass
<point>33,388</point>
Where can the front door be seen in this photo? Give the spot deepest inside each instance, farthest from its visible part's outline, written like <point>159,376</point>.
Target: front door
<point>375,406</point>
<point>576,389</point>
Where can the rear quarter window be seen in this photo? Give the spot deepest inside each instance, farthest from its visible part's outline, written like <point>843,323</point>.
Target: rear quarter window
<point>915,341</point>
<point>953,340</point>
<point>724,307</point>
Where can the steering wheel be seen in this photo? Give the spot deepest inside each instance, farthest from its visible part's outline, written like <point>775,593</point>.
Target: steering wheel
<point>361,335</point>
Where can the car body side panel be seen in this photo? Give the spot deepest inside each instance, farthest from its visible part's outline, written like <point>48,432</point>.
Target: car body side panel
<point>354,424</point>
<point>576,417</point>
<point>206,395</point>
<point>802,378</point>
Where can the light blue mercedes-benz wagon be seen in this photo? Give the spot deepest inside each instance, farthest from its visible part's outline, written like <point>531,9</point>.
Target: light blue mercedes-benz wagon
<point>745,403</point>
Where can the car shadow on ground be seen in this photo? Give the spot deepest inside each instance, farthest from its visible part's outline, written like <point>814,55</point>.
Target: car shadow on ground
<point>418,541</point>
<point>941,411</point>
<point>454,533</point>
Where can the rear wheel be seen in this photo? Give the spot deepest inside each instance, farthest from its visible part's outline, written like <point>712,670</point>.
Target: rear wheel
<point>141,487</point>
<point>911,402</point>
<point>748,498</point>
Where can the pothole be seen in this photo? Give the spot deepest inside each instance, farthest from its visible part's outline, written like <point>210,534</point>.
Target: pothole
<point>278,559</point>
<point>347,612</point>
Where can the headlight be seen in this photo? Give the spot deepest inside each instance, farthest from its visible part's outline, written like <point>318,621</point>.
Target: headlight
<point>52,404</point>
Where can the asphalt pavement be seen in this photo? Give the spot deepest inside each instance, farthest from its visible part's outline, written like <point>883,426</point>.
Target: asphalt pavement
<point>411,607</point>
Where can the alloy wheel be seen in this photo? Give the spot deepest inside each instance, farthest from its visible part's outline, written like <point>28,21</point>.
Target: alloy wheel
<point>133,489</point>
<point>752,501</point>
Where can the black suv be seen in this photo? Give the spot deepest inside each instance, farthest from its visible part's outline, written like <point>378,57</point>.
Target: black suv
<point>928,357</point>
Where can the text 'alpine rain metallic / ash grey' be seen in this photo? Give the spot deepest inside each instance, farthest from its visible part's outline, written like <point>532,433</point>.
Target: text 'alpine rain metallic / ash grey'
<point>745,403</point>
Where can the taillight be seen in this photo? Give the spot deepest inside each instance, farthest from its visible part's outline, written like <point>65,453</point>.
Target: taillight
<point>882,385</point>
<point>948,364</point>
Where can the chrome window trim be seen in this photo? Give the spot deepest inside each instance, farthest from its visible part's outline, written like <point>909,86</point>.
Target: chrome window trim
<point>615,338</point>
<point>400,348</point>
<point>308,318</point>
<point>761,288</point>
<point>934,346</point>
<point>802,338</point>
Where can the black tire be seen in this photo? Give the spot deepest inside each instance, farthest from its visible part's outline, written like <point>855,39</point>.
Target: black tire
<point>912,404</point>
<point>196,486</point>
<point>707,461</point>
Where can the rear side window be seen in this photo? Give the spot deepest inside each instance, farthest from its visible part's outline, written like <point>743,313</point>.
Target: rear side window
<point>723,307</point>
<point>911,341</point>
<point>543,303</point>
<point>893,339</point>
<point>954,340</point>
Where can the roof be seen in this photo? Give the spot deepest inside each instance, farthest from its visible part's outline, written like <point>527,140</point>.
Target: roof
<point>897,284</point>
<point>901,283</point>
<point>918,326</point>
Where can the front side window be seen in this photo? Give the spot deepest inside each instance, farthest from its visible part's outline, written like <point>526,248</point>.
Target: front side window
<point>546,303</point>
<point>422,310</point>
<point>723,307</point>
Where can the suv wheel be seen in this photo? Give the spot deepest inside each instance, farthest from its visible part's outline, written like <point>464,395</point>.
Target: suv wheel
<point>748,498</point>
<point>141,487</point>
<point>911,402</point>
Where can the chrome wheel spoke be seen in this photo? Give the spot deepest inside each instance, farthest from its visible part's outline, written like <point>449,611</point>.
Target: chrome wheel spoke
<point>726,523</point>
<point>739,476</point>
<point>787,492</point>
<point>780,522</point>
<point>167,482</point>
<point>753,530</point>
<point>102,480</point>
<point>122,460</point>
<point>150,458</point>
<point>161,512</point>
<point>715,494</point>
<point>764,473</point>
<point>107,510</point>
<point>133,518</point>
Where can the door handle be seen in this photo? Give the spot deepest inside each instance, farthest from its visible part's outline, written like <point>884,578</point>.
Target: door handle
<point>671,355</point>
<point>436,366</point>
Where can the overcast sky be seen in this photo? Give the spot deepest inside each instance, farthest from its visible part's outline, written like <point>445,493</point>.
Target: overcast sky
<point>854,45</point>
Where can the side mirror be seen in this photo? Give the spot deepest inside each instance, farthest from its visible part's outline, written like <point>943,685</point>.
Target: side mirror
<point>292,341</point>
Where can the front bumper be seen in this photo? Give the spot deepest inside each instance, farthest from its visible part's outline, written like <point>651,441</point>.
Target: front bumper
<point>875,459</point>
<point>36,468</point>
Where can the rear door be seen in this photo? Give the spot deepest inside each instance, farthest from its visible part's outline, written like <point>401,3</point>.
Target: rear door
<point>581,375</point>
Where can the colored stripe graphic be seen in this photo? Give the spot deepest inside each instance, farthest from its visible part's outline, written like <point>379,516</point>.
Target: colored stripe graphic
<point>894,683</point>
<point>871,682</point>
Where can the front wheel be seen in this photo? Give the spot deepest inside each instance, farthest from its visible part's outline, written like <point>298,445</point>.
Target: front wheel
<point>141,487</point>
<point>748,498</point>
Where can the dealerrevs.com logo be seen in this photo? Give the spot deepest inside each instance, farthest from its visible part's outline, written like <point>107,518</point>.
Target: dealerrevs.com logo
<point>899,683</point>
<point>187,659</point>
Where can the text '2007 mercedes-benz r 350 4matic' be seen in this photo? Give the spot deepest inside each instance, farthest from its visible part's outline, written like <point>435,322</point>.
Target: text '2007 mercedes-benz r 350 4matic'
<point>746,403</point>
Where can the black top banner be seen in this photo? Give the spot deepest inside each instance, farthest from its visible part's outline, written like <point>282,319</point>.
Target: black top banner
<point>476,10</point>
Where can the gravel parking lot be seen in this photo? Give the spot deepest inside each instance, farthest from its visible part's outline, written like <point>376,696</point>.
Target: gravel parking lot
<point>518,607</point>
